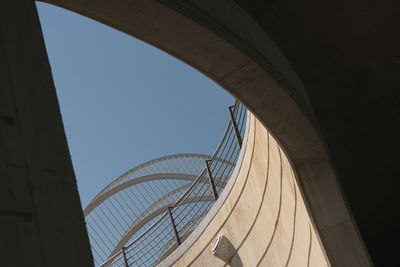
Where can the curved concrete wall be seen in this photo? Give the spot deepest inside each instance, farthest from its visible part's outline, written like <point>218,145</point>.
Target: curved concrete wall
<point>264,217</point>
<point>223,42</point>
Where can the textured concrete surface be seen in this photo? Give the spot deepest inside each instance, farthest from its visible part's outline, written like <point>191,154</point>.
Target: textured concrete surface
<point>264,217</point>
<point>347,54</point>
<point>41,222</point>
<point>323,77</point>
<point>224,42</point>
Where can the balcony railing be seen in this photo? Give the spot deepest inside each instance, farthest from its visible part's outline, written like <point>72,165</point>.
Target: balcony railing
<point>180,219</point>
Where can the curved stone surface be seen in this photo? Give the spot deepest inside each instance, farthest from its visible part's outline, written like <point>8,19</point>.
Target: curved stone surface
<point>345,53</point>
<point>264,216</point>
<point>225,43</point>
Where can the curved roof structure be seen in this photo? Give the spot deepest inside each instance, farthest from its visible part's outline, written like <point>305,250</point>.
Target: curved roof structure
<point>126,207</point>
<point>148,211</point>
<point>123,209</point>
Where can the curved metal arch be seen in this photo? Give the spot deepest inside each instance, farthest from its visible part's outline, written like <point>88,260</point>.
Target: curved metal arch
<point>115,187</point>
<point>152,162</point>
<point>184,167</point>
<point>172,193</point>
<point>163,176</point>
<point>150,214</point>
<point>188,164</point>
<point>159,160</point>
<point>135,227</point>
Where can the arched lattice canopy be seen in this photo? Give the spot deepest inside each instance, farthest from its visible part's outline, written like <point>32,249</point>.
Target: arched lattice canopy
<point>148,211</point>
<point>132,202</point>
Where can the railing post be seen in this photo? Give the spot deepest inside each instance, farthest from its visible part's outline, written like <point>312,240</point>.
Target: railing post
<point>125,259</point>
<point>211,179</point>
<point>178,240</point>
<point>235,126</point>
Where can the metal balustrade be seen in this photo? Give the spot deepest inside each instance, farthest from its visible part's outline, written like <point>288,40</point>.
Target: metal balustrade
<point>160,228</point>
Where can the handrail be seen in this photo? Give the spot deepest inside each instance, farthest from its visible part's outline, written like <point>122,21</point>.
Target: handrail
<point>184,215</point>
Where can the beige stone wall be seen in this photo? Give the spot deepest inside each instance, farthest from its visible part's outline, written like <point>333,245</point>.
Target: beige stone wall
<point>264,216</point>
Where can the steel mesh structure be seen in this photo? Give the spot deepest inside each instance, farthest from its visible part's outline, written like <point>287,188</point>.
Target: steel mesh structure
<point>143,215</point>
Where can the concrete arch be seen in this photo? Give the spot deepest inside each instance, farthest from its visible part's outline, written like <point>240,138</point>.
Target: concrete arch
<point>346,54</point>
<point>236,52</point>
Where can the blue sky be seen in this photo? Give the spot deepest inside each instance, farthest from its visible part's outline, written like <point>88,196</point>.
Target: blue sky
<point>124,102</point>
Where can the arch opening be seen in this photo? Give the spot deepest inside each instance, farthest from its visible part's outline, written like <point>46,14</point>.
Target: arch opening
<point>263,80</point>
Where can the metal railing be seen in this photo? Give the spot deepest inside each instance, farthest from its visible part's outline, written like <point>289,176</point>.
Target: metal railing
<point>180,219</point>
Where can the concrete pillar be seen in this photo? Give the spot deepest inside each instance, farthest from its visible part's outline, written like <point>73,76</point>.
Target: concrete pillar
<point>41,220</point>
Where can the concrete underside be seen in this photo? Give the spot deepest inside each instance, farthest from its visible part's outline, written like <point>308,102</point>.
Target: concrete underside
<point>347,54</point>
<point>322,77</point>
